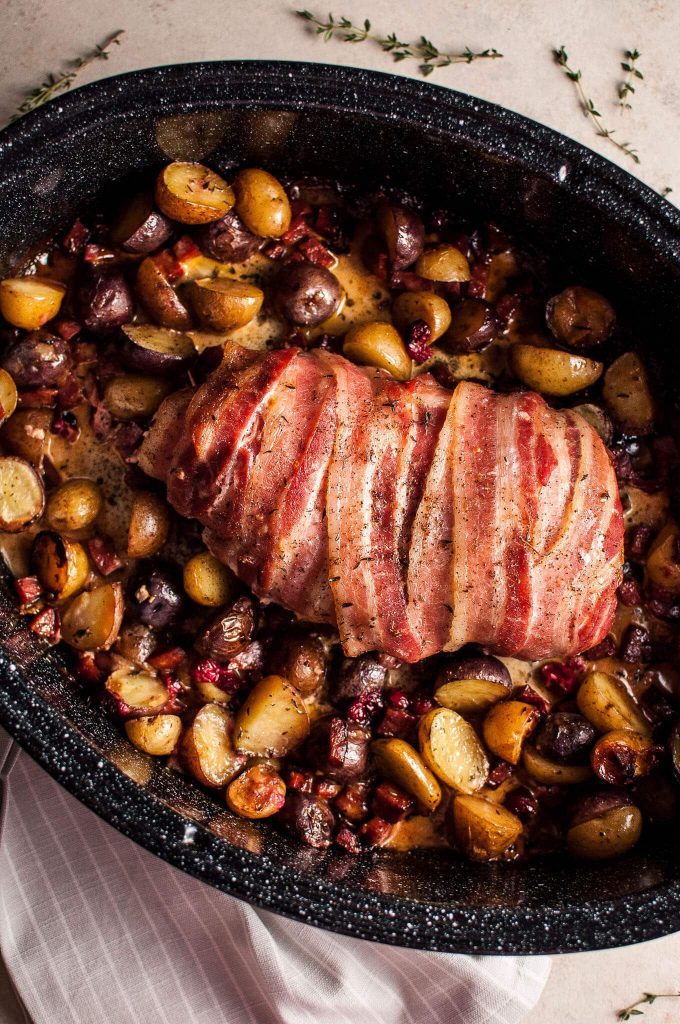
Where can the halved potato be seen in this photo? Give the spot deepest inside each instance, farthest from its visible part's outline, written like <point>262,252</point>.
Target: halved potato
<point>225,305</point>
<point>443,263</point>
<point>507,726</point>
<point>399,761</point>
<point>608,835</point>
<point>157,736</point>
<point>137,693</point>
<point>8,396</point>
<point>451,748</point>
<point>133,397</point>
<point>552,371</point>
<point>93,618</point>
<point>207,581</point>
<point>550,773</point>
<point>273,720</point>
<point>208,750</point>
<point>152,349</point>
<point>483,830</point>
<point>257,793</point>
<point>626,394</point>
<point>28,434</point>
<point>22,495</point>
<point>61,565</point>
<point>29,302</point>
<point>149,525</point>
<point>159,297</point>
<point>470,696</point>
<point>663,567</point>
<point>606,703</point>
<point>192,194</point>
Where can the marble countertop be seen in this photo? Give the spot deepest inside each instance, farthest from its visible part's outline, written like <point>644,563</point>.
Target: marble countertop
<point>35,38</point>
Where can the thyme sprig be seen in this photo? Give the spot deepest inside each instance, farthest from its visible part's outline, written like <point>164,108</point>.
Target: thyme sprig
<point>54,84</point>
<point>589,108</point>
<point>647,999</point>
<point>626,88</point>
<point>424,51</point>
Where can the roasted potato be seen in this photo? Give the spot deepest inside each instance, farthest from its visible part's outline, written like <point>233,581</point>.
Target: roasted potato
<point>225,305</point>
<point>451,749</point>
<point>154,594</point>
<point>230,632</point>
<point>29,302</point>
<point>38,360</point>
<point>300,657</point>
<point>474,325</point>
<point>552,773</point>
<point>93,618</point>
<point>134,397</point>
<point>606,703</point>
<point>305,294</point>
<point>272,721</point>
<point>472,684</point>
<point>553,372</point>
<point>626,395</point>
<point>150,349</point>
<point>157,736</point>
<point>74,505</point>
<point>159,298</point>
<point>139,228</point>
<point>61,565</point>
<point>258,792</point>
<point>621,757</point>
<point>105,300</point>
<point>483,830</point>
<point>8,396</point>
<point>22,495</point>
<point>507,726</point>
<point>207,748</point>
<point>598,420</point>
<point>378,344</point>
<point>603,826</point>
<point>207,581</point>
<point>443,263</point>
<point>262,203</point>
<point>580,318</point>
<point>397,760</point>
<point>403,233</point>
<point>228,239</point>
<point>137,693</point>
<point>28,434</point>
<point>432,309</point>
<point>663,566</point>
<point>192,194</point>
<point>149,525</point>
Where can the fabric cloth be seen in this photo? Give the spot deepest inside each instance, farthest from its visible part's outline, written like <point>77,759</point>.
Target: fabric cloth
<point>96,930</point>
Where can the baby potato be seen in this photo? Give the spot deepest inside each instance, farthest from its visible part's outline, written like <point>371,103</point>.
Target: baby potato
<point>207,748</point>
<point>507,726</point>
<point>192,194</point>
<point>29,302</point>
<point>8,396</point>
<point>622,756</point>
<point>663,568</point>
<point>207,581</point>
<point>451,748</point>
<point>443,263</point>
<point>62,566</point>
<point>551,773</point>
<point>262,203</point>
<point>427,306</point>
<point>159,298</point>
<point>28,434</point>
<point>149,525</point>
<point>133,397</point>
<point>553,372</point>
<point>224,305</point>
<point>483,830</point>
<point>157,736</point>
<point>378,344</point>
<point>22,495</point>
<point>92,619</point>
<point>626,395</point>
<point>137,693</point>
<point>606,703</point>
<point>608,834</point>
<point>398,761</point>
<point>156,350</point>
<point>273,719</point>
<point>74,505</point>
<point>257,793</point>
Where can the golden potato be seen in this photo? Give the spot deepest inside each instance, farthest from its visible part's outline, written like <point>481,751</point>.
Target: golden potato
<point>378,344</point>
<point>262,203</point>
<point>273,719</point>
<point>93,618</point>
<point>137,691</point>
<point>398,761</point>
<point>626,394</point>
<point>8,396</point>
<point>157,736</point>
<point>427,306</point>
<point>207,749</point>
<point>607,705</point>
<point>192,194</point>
<point>483,830</point>
<point>257,793</point>
<point>451,748</point>
<point>149,525</point>
<point>550,773</point>
<point>663,568</point>
<point>443,263</point>
<point>470,696</point>
<point>225,305</point>
<point>133,397</point>
<point>159,298</point>
<point>207,581</point>
<point>551,371</point>
<point>507,726</point>
<point>28,434</point>
<point>22,495</point>
<point>61,565</point>
<point>74,505</point>
<point>608,835</point>
<point>29,302</point>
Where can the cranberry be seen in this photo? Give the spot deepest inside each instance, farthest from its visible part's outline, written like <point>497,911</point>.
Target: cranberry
<point>418,339</point>
<point>498,774</point>
<point>629,594</point>
<point>523,803</point>
<point>365,708</point>
<point>531,696</point>
<point>168,659</point>
<point>635,645</point>
<point>65,424</point>
<point>348,840</point>
<point>663,604</point>
<point>561,675</point>
<point>420,705</point>
<point>605,649</point>
<point>638,541</point>
<point>399,699</point>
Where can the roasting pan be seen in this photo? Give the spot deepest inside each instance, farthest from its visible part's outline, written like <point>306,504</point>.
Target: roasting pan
<point>597,224</point>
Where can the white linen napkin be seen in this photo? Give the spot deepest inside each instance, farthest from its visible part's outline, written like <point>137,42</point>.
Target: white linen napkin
<point>96,930</point>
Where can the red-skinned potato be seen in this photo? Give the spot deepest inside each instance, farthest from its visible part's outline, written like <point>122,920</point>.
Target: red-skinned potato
<point>139,228</point>
<point>403,233</point>
<point>474,325</point>
<point>159,298</point>
<point>150,349</point>
<point>105,300</point>
<point>38,360</point>
<point>225,305</point>
<point>207,749</point>
<point>228,239</point>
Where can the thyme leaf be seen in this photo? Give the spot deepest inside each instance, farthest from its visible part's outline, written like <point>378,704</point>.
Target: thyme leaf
<point>424,50</point>
<point>647,999</point>
<point>54,84</point>
<point>589,109</point>
<point>632,73</point>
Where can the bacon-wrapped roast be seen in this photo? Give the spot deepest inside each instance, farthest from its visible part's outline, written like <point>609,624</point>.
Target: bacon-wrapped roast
<point>415,518</point>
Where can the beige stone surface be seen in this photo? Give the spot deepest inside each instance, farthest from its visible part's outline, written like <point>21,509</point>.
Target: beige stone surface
<point>35,38</point>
